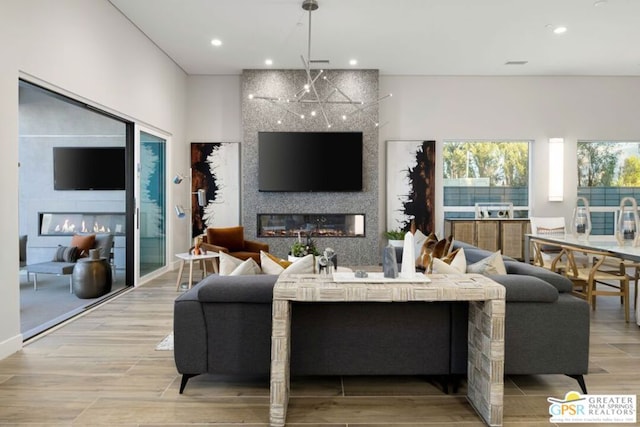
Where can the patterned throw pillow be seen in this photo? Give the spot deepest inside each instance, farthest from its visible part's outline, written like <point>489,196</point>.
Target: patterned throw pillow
<point>66,254</point>
<point>433,248</point>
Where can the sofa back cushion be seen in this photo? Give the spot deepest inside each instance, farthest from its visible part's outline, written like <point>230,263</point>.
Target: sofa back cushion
<point>103,243</point>
<point>231,238</point>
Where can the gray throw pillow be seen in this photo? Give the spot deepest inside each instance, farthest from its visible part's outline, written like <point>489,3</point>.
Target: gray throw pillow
<point>66,254</point>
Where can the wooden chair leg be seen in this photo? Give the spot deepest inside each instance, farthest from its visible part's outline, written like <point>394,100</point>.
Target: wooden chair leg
<point>625,296</point>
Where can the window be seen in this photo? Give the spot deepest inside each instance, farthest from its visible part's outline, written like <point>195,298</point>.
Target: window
<point>485,172</point>
<point>608,171</point>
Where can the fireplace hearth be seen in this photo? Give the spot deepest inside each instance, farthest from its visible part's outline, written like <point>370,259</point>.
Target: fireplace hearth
<point>69,223</point>
<point>317,225</point>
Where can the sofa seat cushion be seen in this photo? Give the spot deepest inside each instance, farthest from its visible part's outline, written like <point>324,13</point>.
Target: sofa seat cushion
<point>51,267</point>
<point>521,288</point>
<point>249,289</point>
<point>475,254</point>
<point>561,283</point>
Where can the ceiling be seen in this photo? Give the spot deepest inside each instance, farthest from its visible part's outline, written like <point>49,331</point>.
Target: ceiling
<point>398,37</point>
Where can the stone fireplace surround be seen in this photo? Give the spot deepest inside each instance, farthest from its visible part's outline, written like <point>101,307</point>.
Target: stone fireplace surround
<point>262,116</point>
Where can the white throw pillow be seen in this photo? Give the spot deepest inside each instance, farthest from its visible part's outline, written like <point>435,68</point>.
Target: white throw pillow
<point>269,266</point>
<point>457,266</point>
<point>493,264</point>
<point>305,265</point>
<point>247,267</point>
<point>228,263</point>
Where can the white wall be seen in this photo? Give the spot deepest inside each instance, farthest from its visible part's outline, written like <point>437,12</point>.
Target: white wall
<point>529,108</point>
<point>86,49</point>
<point>213,109</point>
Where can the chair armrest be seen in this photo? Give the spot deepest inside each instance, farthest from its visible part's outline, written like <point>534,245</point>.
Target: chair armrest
<point>255,289</point>
<point>190,334</point>
<point>255,246</point>
<point>213,248</point>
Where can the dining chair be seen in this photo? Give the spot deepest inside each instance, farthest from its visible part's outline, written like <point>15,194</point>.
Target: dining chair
<point>550,256</point>
<point>598,279</point>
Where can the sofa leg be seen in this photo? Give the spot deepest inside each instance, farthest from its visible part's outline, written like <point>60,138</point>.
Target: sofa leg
<point>183,382</point>
<point>581,382</point>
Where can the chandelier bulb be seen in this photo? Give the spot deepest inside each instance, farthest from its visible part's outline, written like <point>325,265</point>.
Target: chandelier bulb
<point>250,96</point>
<point>344,117</point>
<point>377,124</point>
<point>329,125</point>
<point>302,116</point>
<point>313,113</point>
<point>279,122</point>
<point>306,87</point>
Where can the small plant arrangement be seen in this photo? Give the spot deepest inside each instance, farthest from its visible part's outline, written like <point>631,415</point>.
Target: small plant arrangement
<point>395,234</point>
<point>300,249</point>
<point>395,237</point>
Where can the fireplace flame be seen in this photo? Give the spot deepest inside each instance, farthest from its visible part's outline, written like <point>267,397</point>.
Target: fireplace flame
<point>69,227</point>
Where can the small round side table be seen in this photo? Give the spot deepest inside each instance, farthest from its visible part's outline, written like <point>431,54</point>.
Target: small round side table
<point>91,278</point>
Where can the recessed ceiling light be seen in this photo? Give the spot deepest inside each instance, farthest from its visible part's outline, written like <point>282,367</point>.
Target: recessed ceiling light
<point>353,62</point>
<point>216,42</point>
<point>268,62</point>
<point>560,29</point>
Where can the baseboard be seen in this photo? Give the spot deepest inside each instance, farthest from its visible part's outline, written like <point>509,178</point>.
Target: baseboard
<point>10,346</point>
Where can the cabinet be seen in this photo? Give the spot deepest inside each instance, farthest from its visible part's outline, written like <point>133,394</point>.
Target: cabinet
<point>506,235</point>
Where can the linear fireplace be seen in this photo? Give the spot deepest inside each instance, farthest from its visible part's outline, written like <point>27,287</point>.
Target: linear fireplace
<point>69,223</point>
<point>319,225</point>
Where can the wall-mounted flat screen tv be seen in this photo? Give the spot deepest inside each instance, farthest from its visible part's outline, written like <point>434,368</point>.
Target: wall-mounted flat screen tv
<point>310,161</point>
<point>89,168</point>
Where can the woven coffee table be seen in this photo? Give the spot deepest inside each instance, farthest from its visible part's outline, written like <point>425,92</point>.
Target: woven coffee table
<point>486,327</point>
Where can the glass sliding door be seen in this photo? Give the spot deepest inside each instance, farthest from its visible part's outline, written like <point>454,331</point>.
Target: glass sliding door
<point>152,195</point>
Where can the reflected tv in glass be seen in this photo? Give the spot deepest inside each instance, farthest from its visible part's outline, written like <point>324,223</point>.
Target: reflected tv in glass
<point>310,161</point>
<point>89,168</point>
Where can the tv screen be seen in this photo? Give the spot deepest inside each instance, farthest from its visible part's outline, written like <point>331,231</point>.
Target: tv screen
<point>89,168</point>
<point>310,161</point>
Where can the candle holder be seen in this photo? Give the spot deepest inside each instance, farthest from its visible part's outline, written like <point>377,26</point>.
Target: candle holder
<point>581,220</point>
<point>628,223</point>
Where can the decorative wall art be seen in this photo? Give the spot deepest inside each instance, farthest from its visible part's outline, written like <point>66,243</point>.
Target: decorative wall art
<point>215,168</point>
<point>411,185</point>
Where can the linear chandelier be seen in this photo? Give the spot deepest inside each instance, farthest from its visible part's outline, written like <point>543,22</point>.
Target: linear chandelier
<point>308,99</point>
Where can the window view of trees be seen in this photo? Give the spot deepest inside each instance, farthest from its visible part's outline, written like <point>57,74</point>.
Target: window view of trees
<point>502,163</point>
<point>608,164</point>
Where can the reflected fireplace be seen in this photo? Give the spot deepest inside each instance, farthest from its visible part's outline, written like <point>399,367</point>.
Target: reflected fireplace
<point>69,223</point>
<point>318,225</point>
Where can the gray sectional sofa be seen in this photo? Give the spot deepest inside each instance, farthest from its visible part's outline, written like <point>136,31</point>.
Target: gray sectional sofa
<point>223,326</point>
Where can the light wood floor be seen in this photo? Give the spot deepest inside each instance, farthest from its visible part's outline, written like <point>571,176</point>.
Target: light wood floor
<point>103,369</point>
